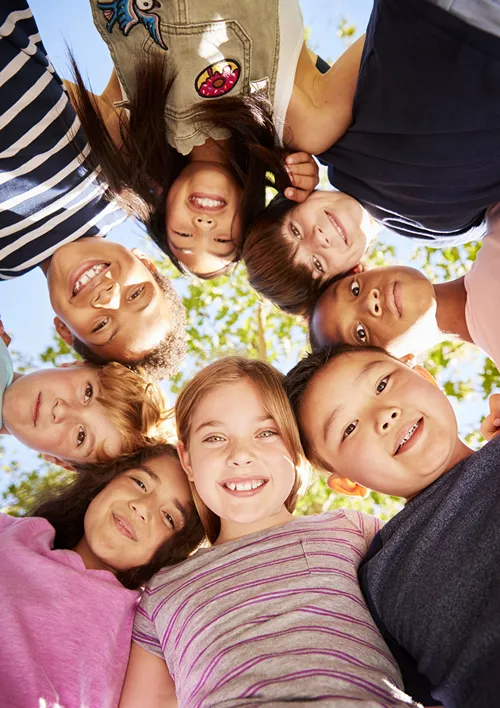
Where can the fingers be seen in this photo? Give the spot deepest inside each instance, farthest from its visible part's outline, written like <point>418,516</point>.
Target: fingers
<point>304,176</point>
<point>490,426</point>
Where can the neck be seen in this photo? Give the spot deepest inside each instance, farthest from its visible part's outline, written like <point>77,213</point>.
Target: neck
<point>210,151</point>
<point>90,560</point>
<point>231,530</point>
<point>451,298</point>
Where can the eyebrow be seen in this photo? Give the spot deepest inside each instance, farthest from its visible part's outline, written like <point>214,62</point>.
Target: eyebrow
<point>215,423</point>
<point>365,371</point>
<point>149,471</point>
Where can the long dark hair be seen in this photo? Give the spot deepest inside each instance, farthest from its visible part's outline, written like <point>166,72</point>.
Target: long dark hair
<point>140,172</point>
<point>66,508</point>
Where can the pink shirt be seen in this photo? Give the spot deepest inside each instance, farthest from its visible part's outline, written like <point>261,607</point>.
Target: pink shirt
<point>65,630</point>
<point>482,284</point>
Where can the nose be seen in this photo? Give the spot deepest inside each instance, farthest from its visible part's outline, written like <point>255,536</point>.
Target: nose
<point>140,509</point>
<point>386,418</point>
<point>205,222</point>
<point>240,457</point>
<point>320,237</point>
<point>373,302</point>
<point>108,296</point>
<point>59,410</point>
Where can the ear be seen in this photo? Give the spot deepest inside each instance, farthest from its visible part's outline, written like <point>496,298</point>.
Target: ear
<point>357,269</point>
<point>63,331</point>
<point>342,485</point>
<point>425,375</point>
<point>56,461</point>
<point>145,260</point>
<point>185,460</point>
<point>408,359</point>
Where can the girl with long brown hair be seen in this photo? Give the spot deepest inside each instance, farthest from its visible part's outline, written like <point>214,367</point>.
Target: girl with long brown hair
<point>191,128</point>
<point>70,575</point>
<point>272,613</point>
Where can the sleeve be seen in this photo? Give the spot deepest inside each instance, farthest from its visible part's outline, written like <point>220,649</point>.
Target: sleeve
<point>6,521</point>
<point>366,523</point>
<point>482,283</point>
<point>291,41</point>
<point>144,632</point>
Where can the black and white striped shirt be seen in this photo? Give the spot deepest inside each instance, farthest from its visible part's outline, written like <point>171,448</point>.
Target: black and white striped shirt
<point>48,196</point>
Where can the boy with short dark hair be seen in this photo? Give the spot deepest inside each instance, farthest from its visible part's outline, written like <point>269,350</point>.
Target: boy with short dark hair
<point>432,574</point>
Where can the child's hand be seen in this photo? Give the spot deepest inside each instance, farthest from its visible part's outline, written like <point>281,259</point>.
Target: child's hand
<point>3,334</point>
<point>304,176</point>
<point>491,424</point>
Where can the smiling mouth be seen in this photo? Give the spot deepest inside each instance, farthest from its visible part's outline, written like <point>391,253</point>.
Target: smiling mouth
<point>408,439</point>
<point>202,202</point>
<point>337,226</point>
<point>124,527</point>
<point>36,409</point>
<point>244,487</point>
<point>88,276</point>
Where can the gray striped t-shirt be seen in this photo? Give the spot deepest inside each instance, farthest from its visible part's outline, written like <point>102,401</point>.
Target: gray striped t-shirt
<point>273,618</point>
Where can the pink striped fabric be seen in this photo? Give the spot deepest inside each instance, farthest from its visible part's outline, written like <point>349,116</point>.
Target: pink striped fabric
<point>274,617</point>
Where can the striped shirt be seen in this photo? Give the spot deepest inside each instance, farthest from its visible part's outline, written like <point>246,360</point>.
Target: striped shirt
<point>48,196</point>
<point>273,618</point>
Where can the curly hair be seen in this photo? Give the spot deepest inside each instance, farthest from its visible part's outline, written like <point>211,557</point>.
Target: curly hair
<point>270,261</point>
<point>164,359</point>
<point>65,510</point>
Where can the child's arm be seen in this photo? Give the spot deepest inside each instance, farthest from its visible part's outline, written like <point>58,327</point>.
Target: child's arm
<point>148,682</point>
<point>320,110</point>
<point>304,176</point>
<point>491,424</point>
<point>4,336</point>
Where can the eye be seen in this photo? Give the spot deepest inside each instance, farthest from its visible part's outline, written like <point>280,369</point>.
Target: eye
<point>295,232</point>
<point>101,325</point>
<point>181,233</point>
<point>355,288</point>
<point>361,333</point>
<point>214,438</point>
<point>222,240</point>
<point>267,434</point>
<point>350,429</point>
<point>139,483</point>
<point>382,384</point>
<point>145,4</point>
<point>170,520</point>
<point>318,265</point>
<point>88,393</point>
<point>81,437</point>
<point>136,293</point>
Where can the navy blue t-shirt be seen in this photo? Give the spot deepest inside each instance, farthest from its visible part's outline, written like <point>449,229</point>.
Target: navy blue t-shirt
<point>423,152</point>
<point>432,583</point>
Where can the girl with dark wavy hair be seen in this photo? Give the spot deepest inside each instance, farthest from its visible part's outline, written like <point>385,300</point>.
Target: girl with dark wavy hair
<point>70,574</point>
<point>192,126</point>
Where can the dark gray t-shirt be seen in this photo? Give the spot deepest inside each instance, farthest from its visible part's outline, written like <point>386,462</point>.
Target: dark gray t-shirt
<point>432,582</point>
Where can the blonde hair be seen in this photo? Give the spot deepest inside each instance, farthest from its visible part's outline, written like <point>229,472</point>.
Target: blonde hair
<point>269,384</point>
<point>135,405</point>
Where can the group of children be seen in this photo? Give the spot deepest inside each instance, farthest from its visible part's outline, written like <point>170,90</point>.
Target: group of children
<point>193,551</point>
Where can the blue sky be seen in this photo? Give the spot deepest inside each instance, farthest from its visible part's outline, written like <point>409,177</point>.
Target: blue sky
<point>24,303</point>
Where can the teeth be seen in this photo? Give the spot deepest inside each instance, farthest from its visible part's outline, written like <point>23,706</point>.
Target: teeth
<point>88,276</point>
<point>407,436</point>
<point>244,486</point>
<point>206,202</point>
<point>337,228</point>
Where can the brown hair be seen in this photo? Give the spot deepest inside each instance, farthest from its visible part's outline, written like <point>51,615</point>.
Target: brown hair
<point>135,405</point>
<point>298,379</point>
<point>269,383</point>
<point>270,261</point>
<point>164,359</point>
<point>65,510</point>
<point>140,172</point>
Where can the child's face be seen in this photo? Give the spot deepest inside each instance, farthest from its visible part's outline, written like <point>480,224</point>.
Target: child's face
<point>107,297</point>
<point>136,513</point>
<point>377,422</point>
<point>391,307</point>
<point>55,412</point>
<point>236,458</point>
<point>203,221</point>
<point>332,231</point>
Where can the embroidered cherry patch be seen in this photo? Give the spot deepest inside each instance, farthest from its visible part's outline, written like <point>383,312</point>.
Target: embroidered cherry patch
<point>218,78</point>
